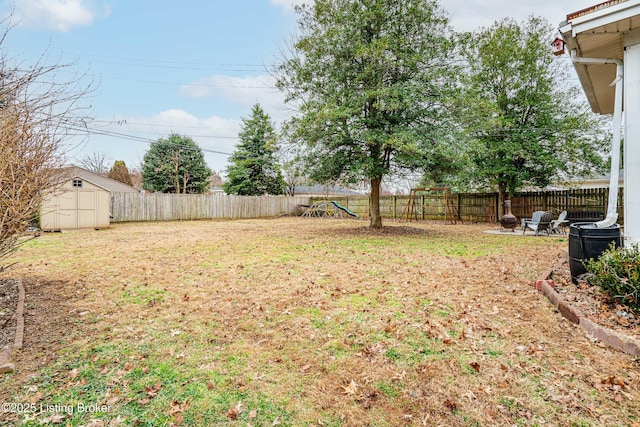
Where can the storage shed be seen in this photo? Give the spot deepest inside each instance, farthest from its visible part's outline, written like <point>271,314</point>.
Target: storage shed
<point>81,200</point>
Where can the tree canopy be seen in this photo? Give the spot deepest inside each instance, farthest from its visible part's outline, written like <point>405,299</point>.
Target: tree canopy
<point>525,124</point>
<point>175,165</point>
<point>253,168</point>
<point>371,80</point>
<point>120,172</point>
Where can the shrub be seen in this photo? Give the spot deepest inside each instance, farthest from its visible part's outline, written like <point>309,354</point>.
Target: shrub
<point>617,272</point>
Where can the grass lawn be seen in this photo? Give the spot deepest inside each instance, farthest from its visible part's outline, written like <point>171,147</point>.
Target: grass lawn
<point>304,322</point>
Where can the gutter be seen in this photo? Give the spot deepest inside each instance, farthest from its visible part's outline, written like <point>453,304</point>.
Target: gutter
<point>612,208</point>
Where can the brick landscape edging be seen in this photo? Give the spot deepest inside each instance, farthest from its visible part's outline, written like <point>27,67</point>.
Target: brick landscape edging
<point>5,356</point>
<point>612,338</point>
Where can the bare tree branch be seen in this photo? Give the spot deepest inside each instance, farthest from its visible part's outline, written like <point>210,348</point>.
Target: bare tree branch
<point>38,110</point>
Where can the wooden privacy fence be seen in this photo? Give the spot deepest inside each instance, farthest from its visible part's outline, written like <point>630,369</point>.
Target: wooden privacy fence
<point>483,207</point>
<point>472,207</point>
<point>169,207</point>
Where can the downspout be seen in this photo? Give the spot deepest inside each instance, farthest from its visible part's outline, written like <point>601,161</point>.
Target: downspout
<point>612,208</point>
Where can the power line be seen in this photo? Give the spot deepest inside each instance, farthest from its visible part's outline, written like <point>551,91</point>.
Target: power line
<point>217,86</point>
<point>119,135</point>
<point>167,63</point>
<point>124,123</point>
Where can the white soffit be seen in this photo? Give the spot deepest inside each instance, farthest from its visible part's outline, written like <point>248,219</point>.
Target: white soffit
<point>598,32</point>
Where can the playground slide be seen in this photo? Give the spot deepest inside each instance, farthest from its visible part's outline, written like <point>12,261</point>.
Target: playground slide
<point>347,211</point>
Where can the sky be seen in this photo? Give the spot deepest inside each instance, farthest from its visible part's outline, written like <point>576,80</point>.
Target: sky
<point>191,67</point>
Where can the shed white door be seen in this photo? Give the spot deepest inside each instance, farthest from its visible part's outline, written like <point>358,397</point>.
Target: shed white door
<point>77,208</point>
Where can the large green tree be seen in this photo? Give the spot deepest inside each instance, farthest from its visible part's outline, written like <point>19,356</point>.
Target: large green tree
<point>527,125</point>
<point>175,165</point>
<point>370,79</point>
<point>253,168</point>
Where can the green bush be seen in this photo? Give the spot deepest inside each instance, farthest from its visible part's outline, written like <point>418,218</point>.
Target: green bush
<point>617,272</point>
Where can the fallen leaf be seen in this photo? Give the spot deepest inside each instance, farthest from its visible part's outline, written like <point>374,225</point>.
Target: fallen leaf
<point>234,411</point>
<point>276,422</point>
<point>115,422</point>
<point>185,297</point>
<point>490,414</point>
<point>211,385</point>
<point>36,397</point>
<point>253,414</point>
<point>177,420</point>
<point>152,391</point>
<point>177,407</point>
<point>351,389</point>
<point>57,419</point>
<point>475,366</point>
<point>305,368</point>
<point>452,405</point>
<point>95,423</point>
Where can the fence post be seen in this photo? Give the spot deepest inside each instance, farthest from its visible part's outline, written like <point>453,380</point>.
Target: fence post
<point>393,207</point>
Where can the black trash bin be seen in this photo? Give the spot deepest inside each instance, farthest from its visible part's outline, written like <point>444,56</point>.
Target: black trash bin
<point>588,241</point>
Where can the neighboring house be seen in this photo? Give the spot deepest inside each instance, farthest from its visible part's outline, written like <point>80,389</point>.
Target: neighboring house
<point>218,191</point>
<point>601,181</point>
<point>82,200</point>
<point>324,191</point>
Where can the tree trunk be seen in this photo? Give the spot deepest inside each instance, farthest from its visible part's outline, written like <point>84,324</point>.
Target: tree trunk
<point>501,199</point>
<point>376,218</point>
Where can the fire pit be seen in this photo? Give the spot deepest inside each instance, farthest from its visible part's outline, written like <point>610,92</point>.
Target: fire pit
<point>508,220</point>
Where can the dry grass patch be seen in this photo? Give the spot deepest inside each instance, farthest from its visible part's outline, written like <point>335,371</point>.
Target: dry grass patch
<point>309,322</point>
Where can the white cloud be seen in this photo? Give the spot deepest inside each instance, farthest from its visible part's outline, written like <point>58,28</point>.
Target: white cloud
<point>123,137</point>
<point>241,91</point>
<point>214,132</point>
<point>59,15</point>
<point>289,4</point>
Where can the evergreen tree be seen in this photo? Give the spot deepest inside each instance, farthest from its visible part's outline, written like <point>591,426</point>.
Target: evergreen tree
<point>175,165</point>
<point>253,169</point>
<point>120,172</point>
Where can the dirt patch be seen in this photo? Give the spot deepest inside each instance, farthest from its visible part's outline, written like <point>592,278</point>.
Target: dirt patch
<point>396,230</point>
<point>49,325</point>
<point>596,305</point>
<point>8,305</point>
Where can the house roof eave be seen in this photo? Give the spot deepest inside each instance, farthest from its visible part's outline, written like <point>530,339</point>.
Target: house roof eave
<point>599,32</point>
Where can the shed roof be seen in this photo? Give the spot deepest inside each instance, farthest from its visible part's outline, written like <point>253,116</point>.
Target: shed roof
<point>599,32</point>
<point>101,181</point>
